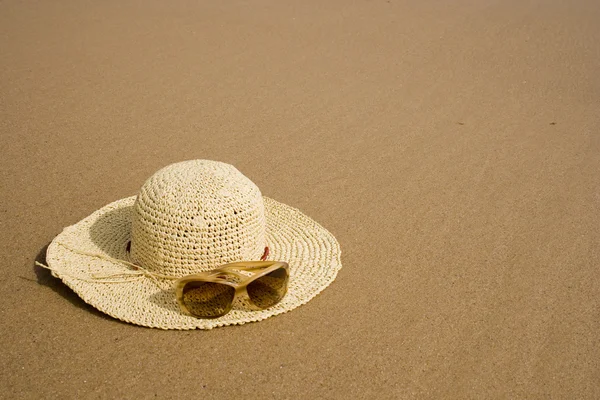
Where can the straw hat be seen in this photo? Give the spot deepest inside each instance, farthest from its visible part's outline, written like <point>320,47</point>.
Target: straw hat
<point>189,217</point>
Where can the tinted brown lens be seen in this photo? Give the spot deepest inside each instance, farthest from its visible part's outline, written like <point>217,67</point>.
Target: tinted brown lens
<point>267,290</point>
<point>207,299</point>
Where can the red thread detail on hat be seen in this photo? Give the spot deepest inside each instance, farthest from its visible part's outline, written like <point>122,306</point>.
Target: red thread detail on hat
<point>265,254</point>
<point>128,249</point>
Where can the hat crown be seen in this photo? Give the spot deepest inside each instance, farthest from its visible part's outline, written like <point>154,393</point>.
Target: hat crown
<point>196,215</point>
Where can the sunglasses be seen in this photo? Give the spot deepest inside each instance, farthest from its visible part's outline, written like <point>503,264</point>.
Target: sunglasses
<point>211,294</point>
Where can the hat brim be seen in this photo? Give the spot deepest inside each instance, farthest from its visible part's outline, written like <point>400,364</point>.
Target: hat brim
<point>312,252</point>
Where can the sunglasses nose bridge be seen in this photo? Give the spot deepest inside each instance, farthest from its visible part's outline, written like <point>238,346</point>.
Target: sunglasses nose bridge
<point>241,299</point>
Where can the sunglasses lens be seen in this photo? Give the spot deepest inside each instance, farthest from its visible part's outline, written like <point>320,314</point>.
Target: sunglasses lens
<point>207,299</point>
<point>267,290</point>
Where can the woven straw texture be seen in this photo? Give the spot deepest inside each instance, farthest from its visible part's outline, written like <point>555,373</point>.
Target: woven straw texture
<point>189,217</point>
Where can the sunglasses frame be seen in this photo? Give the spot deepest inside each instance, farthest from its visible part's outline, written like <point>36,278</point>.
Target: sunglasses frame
<point>237,275</point>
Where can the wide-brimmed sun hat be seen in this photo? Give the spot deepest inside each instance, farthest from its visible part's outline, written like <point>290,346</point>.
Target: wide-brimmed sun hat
<point>189,217</point>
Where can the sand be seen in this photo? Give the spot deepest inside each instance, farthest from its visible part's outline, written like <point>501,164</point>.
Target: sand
<point>452,147</point>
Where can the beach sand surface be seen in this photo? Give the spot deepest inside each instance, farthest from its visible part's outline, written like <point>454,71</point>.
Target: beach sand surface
<point>452,147</point>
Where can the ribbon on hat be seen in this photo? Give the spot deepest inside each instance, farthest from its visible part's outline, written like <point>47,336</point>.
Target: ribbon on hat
<point>110,277</point>
<point>113,277</point>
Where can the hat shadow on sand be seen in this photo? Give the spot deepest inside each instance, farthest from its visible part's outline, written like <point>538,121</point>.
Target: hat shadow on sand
<point>164,298</point>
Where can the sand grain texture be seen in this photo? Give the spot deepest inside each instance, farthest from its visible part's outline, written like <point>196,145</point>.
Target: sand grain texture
<point>453,148</point>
